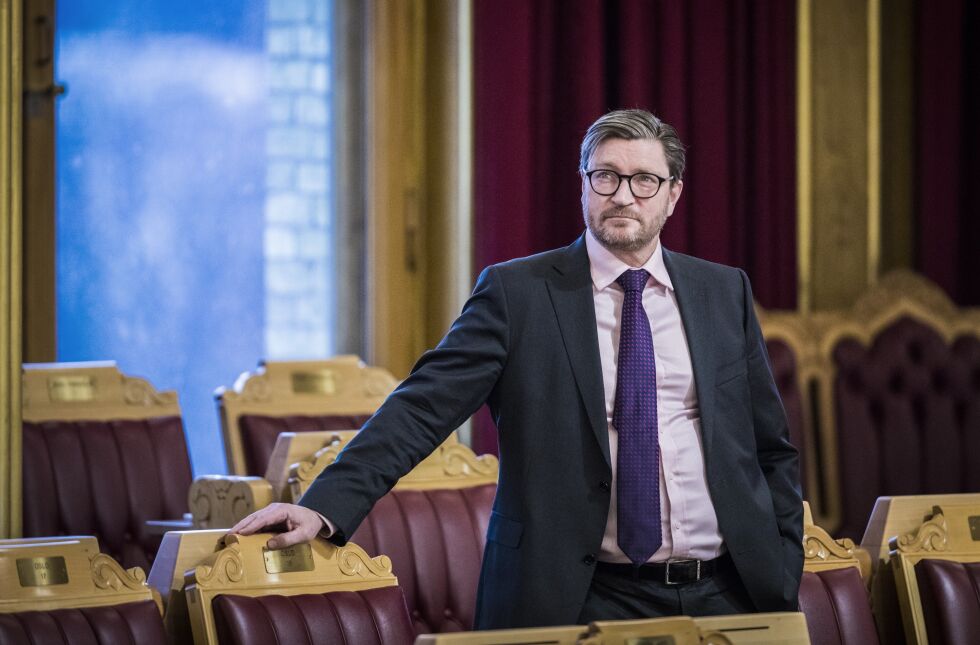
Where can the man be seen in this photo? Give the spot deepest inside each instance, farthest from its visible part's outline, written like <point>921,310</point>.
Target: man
<point>645,468</point>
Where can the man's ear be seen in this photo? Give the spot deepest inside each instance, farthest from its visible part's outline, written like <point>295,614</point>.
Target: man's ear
<point>676,188</point>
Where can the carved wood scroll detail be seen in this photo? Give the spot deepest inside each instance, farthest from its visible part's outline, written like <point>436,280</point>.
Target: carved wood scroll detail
<point>352,560</point>
<point>109,574</point>
<point>228,567</point>
<point>933,535</point>
<point>819,545</point>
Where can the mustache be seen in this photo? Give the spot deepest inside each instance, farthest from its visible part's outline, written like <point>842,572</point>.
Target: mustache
<point>623,211</point>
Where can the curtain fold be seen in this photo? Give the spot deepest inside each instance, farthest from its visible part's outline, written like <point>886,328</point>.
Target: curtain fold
<point>722,73</point>
<point>10,268</point>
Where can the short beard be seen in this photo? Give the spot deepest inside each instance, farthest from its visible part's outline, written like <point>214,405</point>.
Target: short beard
<point>618,241</point>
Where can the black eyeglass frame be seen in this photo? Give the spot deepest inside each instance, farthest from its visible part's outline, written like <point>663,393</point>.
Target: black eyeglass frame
<point>629,182</point>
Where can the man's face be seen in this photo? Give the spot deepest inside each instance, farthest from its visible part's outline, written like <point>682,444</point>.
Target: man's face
<point>622,222</point>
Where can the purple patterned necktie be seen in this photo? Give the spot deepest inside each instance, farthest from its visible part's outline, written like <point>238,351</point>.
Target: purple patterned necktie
<point>635,419</point>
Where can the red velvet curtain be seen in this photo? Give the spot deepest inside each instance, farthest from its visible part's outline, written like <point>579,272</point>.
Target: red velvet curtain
<point>947,137</point>
<point>723,73</point>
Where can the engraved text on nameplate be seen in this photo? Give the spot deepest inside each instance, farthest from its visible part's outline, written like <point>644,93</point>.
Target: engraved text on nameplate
<point>42,572</point>
<point>651,640</point>
<point>319,382</point>
<point>69,389</point>
<point>293,558</point>
<point>975,528</point>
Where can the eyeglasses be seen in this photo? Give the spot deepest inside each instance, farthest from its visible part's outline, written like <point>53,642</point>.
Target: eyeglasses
<point>643,185</point>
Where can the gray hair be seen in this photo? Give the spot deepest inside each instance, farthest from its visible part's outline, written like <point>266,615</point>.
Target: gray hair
<point>634,124</point>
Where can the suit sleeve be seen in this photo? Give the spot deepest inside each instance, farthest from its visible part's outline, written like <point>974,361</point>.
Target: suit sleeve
<point>446,386</point>
<point>777,456</point>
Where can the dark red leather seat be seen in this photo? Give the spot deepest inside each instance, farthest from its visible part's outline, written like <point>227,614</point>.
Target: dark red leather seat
<point>137,622</point>
<point>435,539</point>
<point>950,600</point>
<point>375,616</point>
<point>837,609</point>
<point>105,478</point>
<point>907,412</point>
<point>259,433</point>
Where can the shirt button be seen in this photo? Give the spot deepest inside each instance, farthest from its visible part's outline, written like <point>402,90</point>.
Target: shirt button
<point>589,559</point>
<point>604,485</point>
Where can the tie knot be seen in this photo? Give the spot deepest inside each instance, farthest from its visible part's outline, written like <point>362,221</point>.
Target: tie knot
<point>633,279</point>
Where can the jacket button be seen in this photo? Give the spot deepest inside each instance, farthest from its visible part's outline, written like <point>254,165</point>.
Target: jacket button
<point>589,559</point>
<point>604,485</point>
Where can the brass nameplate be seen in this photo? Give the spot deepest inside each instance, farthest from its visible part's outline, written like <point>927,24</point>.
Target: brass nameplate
<point>71,389</point>
<point>651,640</point>
<point>975,527</point>
<point>319,382</point>
<point>42,572</point>
<point>288,560</point>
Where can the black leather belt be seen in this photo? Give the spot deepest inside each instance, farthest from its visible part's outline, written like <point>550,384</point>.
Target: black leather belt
<point>671,572</point>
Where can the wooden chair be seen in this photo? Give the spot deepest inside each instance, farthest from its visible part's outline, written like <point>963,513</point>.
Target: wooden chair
<point>779,628</point>
<point>336,394</point>
<point>937,574</point>
<point>833,591</point>
<point>65,590</point>
<point>246,593</point>
<point>891,517</point>
<point>432,525</point>
<point>568,635</point>
<point>104,453</point>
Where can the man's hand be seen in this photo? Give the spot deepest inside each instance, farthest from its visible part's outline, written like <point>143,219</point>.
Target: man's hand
<point>302,524</point>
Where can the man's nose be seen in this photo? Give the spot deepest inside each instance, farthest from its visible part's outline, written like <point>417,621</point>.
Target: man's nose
<point>623,195</point>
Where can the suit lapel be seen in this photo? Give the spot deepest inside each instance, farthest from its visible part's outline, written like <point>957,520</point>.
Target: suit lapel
<point>692,300</point>
<point>570,288</point>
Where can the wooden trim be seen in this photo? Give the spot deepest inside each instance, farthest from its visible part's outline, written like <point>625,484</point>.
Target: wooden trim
<point>874,141</point>
<point>804,153</point>
<point>11,330</point>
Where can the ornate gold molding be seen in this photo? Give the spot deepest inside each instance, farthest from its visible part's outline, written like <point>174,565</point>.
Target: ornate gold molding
<point>228,568</point>
<point>138,391</point>
<point>819,545</point>
<point>109,574</point>
<point>220,501</point>
<point>931,536</point>
<point>352,560</point>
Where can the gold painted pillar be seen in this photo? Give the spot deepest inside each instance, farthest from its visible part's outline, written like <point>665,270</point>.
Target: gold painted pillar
<point>11,85</point>
<point>417,214</point>
<point>839,151</point>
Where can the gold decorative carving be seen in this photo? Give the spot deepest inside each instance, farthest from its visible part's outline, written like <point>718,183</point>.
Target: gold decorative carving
<point>931,536</point>
<point>819,545</point>
<point>109,574</point>
<point>307,471</point>
<point>255,388</point>
<point>459,461</point>
<point>219,501</point>
<point>137,391</point>
<point>352,560</point>
<point>228,567</point>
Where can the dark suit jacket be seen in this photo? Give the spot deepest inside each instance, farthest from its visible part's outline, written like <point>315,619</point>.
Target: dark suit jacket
<point>526,344</point>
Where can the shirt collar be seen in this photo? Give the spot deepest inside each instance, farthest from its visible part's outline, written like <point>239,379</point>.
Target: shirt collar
<point>606,267</point>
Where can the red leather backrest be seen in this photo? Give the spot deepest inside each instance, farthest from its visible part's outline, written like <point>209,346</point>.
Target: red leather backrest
<point>137,622</point>
<point>837,609</point>
<point>372,617</point>
<point>259,434</point>
<point>907,417</point>
<point>784,373</point>
<point>105,478</point>
<point>950,593</point>
<point>435,539</point>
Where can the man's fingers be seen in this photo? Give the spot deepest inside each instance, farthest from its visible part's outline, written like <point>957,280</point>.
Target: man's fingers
<point>298,535</point>
<point>273,514</point>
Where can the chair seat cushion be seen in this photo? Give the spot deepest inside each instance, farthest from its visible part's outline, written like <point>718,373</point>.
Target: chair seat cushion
<point>950,593</point>
<point>137,622</point>
<point>372,617</point>
<point>837,609</point>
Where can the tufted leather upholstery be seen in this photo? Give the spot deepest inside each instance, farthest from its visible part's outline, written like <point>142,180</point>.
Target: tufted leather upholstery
<point>908,417</point>
<point>259,433</point>
<point>837,609</point>
<point>137,622</point>
<point>105,478</point>
<point>950,594</point>
<point>435,539</point>
<point>368,617</point>
<point>784,372</point>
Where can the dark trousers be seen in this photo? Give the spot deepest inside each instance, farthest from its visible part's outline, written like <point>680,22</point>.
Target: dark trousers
<point>615,596</point>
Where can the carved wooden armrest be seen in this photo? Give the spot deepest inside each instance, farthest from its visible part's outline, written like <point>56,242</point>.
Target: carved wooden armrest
<point>220,501</point>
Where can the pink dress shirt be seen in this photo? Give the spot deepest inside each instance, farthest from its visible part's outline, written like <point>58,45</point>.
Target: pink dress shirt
<point>689,524</point>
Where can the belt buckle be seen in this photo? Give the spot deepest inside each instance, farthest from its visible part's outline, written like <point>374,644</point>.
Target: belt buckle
<point>668,581</point>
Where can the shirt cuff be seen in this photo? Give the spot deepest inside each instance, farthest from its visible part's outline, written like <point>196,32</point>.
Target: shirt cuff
<point>328,529</point>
